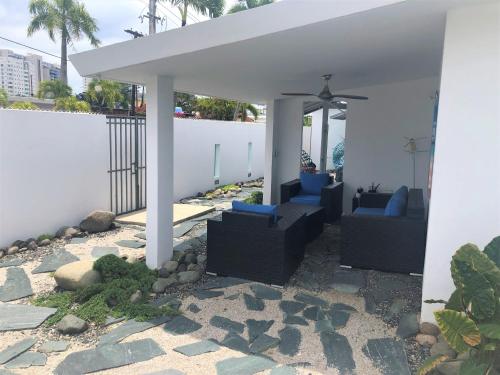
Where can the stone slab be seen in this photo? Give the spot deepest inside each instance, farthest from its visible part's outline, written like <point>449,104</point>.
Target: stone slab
<point>202,294</point>
<point>283,370</point>
<point>310,299</point>
<point>324,325</point>
<point>342,307</point>
<point>11,263</point>
<point>338,352</point>
<point>53,346</point>
<point>167,372</point>
<point>248,365</point>
<point>388,355</point>
<point>257,328</point>
<point>169,300</point>
<point>408,325</point>
<point>292,307</point>
<point>180,325</point>
<point>182,212</point>
<point>100,251</point>
<point>265,292</point>
<point>294,320</point>
<point>108,356</point>
<point>15,317</point>
<point>133,244</point>
<point>262,343</point>
<point>235,342</point>
<point>252,303</point>
<point>290,338</point>
<point>16,349</point>
<point>311,313</point>
<point>349,282</point>
<point>17,285</point>
<point>27,359</point>
<point>78,240</point>
<point>223,282</point>
<point>227,324</point>
<point>52,262</point>
<point>112,320</point>
<point>340,319</point>
<point>141,235</point>
<point>183,228</point>
<point>129,328</point>
<point>194,308</point>
<point>198,348</point>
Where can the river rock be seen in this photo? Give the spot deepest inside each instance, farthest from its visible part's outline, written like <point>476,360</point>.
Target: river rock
<point>189,276</point>
<point>12,250</point>
<point>77,275</point>
<point>97,221</point>
<point>71,324</point>
<point>170,265</point>
<point>426,340</point>
<point>161,284</point>
<point>429,329</point>
<point>44,242</point>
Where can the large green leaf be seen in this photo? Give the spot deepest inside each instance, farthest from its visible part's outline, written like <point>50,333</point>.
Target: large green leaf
<point>479,261</point>
<point>431,363</point>
<point>471,367</point>
<point>477,292</point>
<point>459,331</point>
<point>455,301</point>
<point>490,330</point>
<point>493,250</point>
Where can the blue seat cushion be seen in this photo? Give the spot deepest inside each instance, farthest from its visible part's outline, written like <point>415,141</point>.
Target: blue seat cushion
<point>263,209</point>
<point>312,200</point>
<point>397,204</point>
<point>311,184</point>
<point>369,211</point>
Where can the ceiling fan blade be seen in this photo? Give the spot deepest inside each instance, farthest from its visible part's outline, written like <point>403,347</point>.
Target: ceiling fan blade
<point>297,94</point>
<point>351,97</point>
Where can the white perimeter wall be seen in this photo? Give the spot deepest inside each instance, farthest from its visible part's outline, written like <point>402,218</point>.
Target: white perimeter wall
<point>375,131</point>
<point>53,165</point>
<point>465,204</point>
<point>52,171</point>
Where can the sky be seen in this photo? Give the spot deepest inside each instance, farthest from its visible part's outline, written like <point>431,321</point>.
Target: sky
<point>113,16</point>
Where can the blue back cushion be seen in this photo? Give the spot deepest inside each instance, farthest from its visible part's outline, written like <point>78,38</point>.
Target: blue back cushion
<point>398,202</point>
<point>263,209</point>
<point>312,183</point>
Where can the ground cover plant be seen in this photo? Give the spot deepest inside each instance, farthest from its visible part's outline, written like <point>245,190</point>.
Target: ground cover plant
<point>111,297</point>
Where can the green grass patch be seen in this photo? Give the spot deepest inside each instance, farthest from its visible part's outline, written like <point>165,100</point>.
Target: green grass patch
<point>254,198</point>
<point>45,237</point>
<point>229,187</point>
<point>111,297</point>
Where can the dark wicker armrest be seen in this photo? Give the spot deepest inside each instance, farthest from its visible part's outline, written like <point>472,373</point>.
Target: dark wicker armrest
<point>289,190</point>
<point>416,206</point>
<point>331,200</point>
<point>374,200</point>
<point>247,219</point>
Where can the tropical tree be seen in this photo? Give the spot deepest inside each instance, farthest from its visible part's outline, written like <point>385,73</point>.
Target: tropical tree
<point>24,105</point>
<point>103,94</point>
<point>53,90</point>
<point>222,109</point>
<point>248,4</point>
<point>67,18</point>
<point>212,8</point>
<point>4,98</point>
<point>72,104</point>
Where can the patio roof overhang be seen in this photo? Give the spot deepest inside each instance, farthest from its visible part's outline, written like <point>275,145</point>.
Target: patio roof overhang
<point>286,46</point>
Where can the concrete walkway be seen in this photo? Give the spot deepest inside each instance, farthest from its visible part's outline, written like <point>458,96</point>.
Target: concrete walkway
<point>182,212</point>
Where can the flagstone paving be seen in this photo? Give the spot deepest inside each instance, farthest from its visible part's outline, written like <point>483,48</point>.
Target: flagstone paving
<point>290,338</point>
<point>181,325</point>
<point>27,359</point>
<point>227,324</point>
<point>265,292</point>
<point>338,352</point>
<point>244,366</point>
<point>257,328</point>
<point>11,263</point>
<point>133,244</point>
<point>16,349</point>
<point>129,328</point>
<point>17,285</point>
<point>52,262</point>
<point>100,251</point>
<point>388,355</point>
<point>235,342</point>
<point>252,303</point>
<point>201,347</point>
<point>18,317</point>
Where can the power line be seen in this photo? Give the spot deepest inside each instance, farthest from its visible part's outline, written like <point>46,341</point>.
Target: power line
<point>33,48</point>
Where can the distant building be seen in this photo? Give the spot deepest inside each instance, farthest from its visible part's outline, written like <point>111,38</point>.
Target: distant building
<point>21,75</point>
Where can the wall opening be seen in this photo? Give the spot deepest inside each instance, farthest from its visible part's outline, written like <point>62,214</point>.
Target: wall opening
<point>250,156</point>
<point>217,164</point>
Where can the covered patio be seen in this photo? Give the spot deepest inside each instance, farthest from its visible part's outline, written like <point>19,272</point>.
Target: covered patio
<point>398,53</point>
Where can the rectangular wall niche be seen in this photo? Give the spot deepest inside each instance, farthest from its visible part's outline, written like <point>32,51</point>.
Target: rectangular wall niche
<point>217,164</point>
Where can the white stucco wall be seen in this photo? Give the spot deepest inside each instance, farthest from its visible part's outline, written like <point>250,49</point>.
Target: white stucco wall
<point>52,171</point>
<point>53,165</point>
<point>465,205</point>
<point>375,131</point>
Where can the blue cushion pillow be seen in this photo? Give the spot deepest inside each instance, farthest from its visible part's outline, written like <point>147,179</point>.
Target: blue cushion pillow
<point>311,200</point>
<point>263,209</point>
<point>397,204</point>
<point>313,183</point>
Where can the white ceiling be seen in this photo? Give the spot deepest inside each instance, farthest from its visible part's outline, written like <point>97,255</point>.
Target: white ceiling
<point>287,46</point>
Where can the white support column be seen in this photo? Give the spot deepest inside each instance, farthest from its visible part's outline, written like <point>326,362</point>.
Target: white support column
<point>324,137</point>
<point>284,124</point>
<point>160,172</point>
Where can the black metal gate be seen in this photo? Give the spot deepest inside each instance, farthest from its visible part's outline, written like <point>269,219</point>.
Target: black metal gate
<point>127,163</point>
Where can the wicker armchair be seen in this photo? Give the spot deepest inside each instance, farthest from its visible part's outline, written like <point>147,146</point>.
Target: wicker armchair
<point>331,197</point>
<point>392,244</point>
<point>254,247</point>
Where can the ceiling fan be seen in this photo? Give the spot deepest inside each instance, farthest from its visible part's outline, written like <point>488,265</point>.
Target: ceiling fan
<point>326,94</point>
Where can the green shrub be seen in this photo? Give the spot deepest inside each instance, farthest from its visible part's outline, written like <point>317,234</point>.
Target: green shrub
<point>24,105</point>
<point>470,321</point>
<point>60,301</point>
<point>229,187</point>
<point>72,104</point>
<point>255,198</point>
<point>45,237</point>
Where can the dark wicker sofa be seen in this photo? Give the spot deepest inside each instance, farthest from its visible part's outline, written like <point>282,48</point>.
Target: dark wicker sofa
<point>254,247</point>
<point>331,197</point>
<point>392,244</point>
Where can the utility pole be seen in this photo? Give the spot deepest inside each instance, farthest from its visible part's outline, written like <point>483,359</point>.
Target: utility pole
<point>133,99</point>
<point>153,18</point>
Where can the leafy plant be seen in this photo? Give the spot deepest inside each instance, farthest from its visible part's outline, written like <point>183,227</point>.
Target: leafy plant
<point>45,236</point>
<point>470,321</point>
<point>229,187</point>
<point>104,94</point>
<point>255,198</point>
<point>72,104</point>
<point>54,89</point>
<point>24,105</point>
<point>60,301</point>
<point>248,4</point>
<point>4,98</point>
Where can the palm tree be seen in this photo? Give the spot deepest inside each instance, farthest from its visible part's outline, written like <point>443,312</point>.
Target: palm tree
<point>69,18</point>
<point>104,94</point>
<point>4,98</point>
<point>248,4</point>
<point>53,90</point>
<point>212,8</point>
